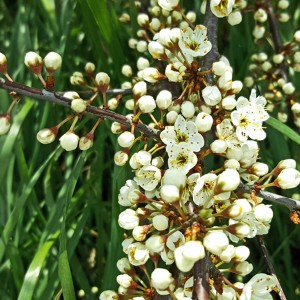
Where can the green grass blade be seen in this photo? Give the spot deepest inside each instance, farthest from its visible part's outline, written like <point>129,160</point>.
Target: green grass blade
<point>35,268</point>
<point>286,130</point>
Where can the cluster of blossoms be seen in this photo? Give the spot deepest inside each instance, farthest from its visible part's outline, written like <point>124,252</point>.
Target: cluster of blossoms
<point>178,209</point>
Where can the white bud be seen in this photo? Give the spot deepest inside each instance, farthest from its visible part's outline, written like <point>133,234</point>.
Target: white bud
<point>89,67</point>
<point>182,263</point>
<point>288,178</point>
<point>146,104</point>
<point>109,295</point>
<point>288,88</point>
<point>218,146</point>
<point>127,70</point>
<point>229,103</point>
<point>4,124</point>
<point>86,142</point>
<point>139,159</point>
<point>259,31</point>
<point>3,63</point>
<point>297,36</point>
<point>69,141</point>
<point>124,280</point>
<point>139,89</point>
<point>219,68</point>
<point>248,81</point>
<point>236,86</point>
<point>174,177</point>
<point>297,57</point>
<point>142,46</point>
<point>46,135</point>
<point>143,20</point>
<point>155,244</point>
<point>227,181</point>
<point>52,62</point>
<point>284,17</point>
<point>158,162</point>
<point>171,117</point>
<point>283,4</point>
<point>116,128</point>
<point>235,18</point>
<point>168,5</point>
<point>123,265</point>
<point>263,213</point>
<point>112,104</point>
<point>161,279</point>
<point>242,268</point>
<point>260,15</point>
<point>204,122</point>
<point>102,80</point>
<point>227,254</point>
<point>128,219</point>
<point>78,105</point>
<point>187,109</point>
<point>142,63</point>
<point>155,24</point>
<point>156,50</point>
<point>164,99</point>
<point>278,58</point>
<point>126,139</point>
<point>231,164</point>
<point>241,230</point>
<point>296,108</point>
<point>139,233</point>
<point>216,241</point>
<point>241,253</point>
<point>34,62</point>
<point>259,169</point>
<point>132,43</point>
<point>211,95</point>
<point>160,222</point>
<point>170,193</point>
<point>286,163</point>
<point>193,250</point>
<point>151,75</point>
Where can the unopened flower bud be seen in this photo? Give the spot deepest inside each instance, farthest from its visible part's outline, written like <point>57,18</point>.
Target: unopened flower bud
<point>170,193</point>
<point>89,68</point>
<point>143,20</point>
<point>259,31</point>
<point>241,230</point>
<point>125,281</point>
<point>204,122</point>
<point>86,142</point>
<point>161,279</point>
<point>232,164</point>
<point>283,17</point>
<point>215,241</point>
<point>120,158</point>
<point>102,80</point>
<point>260,15</point>
<point>242,268</point>
<point>188,109</point>
<point>155,243</point>
<point>151,75</point>
<point>218,146</point>
<point>47,135</point>
<point>288,178</point>
<point>227,181</point>
<point>158,162</point>
<point>164,99</point>
<point>126,139</point>
<point>69,141</point>
<point>229,103</point>
<point>211,95</point>
<point>278,58</point>
<point>77,79</point>
<point>34,62</point>
<point>236,86</point>
<point>241,253</point>
<point>4,124</point>
<point>116,128</point>
<point>174,177</point>
<point>234,18</point>
<point>139,233</point>
<point>141,46</point>
<point>219,68</point>
<point>139,89</point>
<point>128,219</point>
<point>109,295</point>
<point>288,88</point>
<point>160,222</point>
<point>142,63</point>
<point>127,70</point>
<point>171,117</point>
<point>78,105</point>
<point>227,254</point>
<point>283,4</point>
<point>263,213</point>
<point>52,62</point>
<point>123,265</point>
<point>146,104</point>
<point>3,63</point>
<point>182,263</point>
<point>193,250</point>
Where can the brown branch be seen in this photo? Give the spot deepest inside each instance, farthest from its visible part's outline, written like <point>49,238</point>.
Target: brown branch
<point>56,98</point>
<point>271,270</point>
<point>291,204</point>
<point>211,22</point>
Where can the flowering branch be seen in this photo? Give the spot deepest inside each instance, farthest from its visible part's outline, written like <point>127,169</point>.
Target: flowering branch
<point>291,204</point>
<point>42,94</point>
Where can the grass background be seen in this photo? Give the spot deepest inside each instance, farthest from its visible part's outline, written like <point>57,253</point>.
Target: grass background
<point>58,210</point>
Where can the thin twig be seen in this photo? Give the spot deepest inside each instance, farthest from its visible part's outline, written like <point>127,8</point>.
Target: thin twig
<point>56,98</point>
<point>291,204</point>
<point>271,270</point>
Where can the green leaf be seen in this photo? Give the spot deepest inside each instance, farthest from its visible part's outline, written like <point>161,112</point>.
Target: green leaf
<point>34,269</point>
<point>286,130</point>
